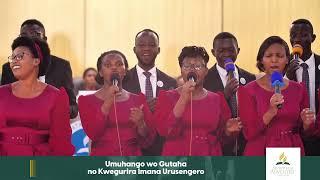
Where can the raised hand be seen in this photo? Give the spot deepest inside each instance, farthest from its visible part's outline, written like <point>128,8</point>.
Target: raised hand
<point>291,70</point>
<point>137,116</point>
<point>308,117</point>
<point>110,93</point>
<point>233,126</point>
<point>231,87</point>
<point>187,88</point>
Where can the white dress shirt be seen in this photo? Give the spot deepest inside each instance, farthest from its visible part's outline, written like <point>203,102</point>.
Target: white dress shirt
<point>312,79</point>
<point>142,80</point>
<point>42,78</point>
<point>223,74</point>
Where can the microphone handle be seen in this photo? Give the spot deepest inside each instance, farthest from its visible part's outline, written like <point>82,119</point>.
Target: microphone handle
<point>296,57</point>
<point>115,82</point>
<point>277,90</point>
<point>230,75</point>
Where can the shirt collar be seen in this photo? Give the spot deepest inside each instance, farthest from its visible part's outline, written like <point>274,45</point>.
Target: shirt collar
<point>310,62</point>
<point>140,71</point>
<point>224,73</point>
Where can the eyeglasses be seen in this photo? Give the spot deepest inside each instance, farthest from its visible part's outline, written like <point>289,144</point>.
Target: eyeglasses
<point>189,67</point>
<point>17,57</point>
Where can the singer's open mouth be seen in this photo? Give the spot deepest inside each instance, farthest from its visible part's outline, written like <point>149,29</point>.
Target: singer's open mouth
<point>274,67</point>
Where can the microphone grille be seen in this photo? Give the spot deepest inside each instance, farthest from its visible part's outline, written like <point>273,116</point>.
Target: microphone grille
<point>276,78</point>
<point>229,65</point>
<point>115,76</point>
<point>297,49</point>
<point>192,75</point>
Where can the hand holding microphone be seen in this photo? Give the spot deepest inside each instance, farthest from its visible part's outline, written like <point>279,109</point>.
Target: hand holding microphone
<point>185,94</point>
<point>115,79</point>
<point>277,100</point>
<point>277,82</point>
<point>232,84</point>
<point>110,93</point>
<point>189,86</point>
<point>308,117</point>
<point>297,51</point>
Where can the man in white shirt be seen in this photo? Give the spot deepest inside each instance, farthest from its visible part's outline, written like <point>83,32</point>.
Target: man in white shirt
<point>306,70</point>
<point>146,49</point>
<point>146,78</point>
<point>225,46</point>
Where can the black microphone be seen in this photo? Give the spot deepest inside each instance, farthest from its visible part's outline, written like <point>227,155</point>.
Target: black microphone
<point>192,77</point>
<point>115,78</point>
<point>297,51</point>
<point>277,83</point>
<point>229,66</point>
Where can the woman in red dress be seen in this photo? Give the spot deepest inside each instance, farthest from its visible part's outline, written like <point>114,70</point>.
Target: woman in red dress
<point>116,120</point>
<point>34,116</point>
<point>264,124</point>
<point>194,121</point>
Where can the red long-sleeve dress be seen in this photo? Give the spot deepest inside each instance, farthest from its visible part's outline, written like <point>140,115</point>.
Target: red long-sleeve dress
<point>102,129</point>
<point>38,126</point>
<point>208,127</point>
<point>284,130</point>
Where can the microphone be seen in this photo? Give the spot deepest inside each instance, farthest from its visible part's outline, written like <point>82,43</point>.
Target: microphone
<point>192,77</point>
<point>229,66</point>
<point>115,78</point>
<point>297,51</point>
<point>277,83</point>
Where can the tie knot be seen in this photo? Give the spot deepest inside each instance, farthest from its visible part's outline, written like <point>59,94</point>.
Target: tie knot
<point>304,65</point>
<point>147,74</point>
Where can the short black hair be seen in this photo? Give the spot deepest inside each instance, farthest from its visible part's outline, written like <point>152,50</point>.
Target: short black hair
<point>32,22</point>
<point>99,79</point>
<point>266,44</point>
<point>193,51</point>
<point>224,35</point>
<point>303,21</point>
<point>147,30</point>
<point>87,70</point>
<point>32,44</point>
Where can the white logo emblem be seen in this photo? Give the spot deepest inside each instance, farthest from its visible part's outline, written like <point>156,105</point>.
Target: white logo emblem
<point>159,83</point>
<point>243,81</point>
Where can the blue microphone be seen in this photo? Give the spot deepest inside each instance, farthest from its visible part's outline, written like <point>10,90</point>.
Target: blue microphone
<point>229,66</point>
<point>277,83</point>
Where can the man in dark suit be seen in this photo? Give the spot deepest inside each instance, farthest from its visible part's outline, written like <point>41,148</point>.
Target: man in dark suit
<point>301,32</point>
<point>146,78</point>
<point>59,73</point>
<point>225,46</point>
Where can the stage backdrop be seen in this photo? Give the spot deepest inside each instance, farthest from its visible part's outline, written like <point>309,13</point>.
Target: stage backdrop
<point>80,30</point>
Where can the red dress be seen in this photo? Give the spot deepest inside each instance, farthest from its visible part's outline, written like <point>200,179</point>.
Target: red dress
<point>284,130</point>
<point>38,126</point>
<point>103,130</point>
<point>209,117</point>
<point>318,117</point>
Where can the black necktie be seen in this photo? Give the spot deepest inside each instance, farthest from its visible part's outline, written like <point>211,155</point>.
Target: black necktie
<point>305,77</point>
<point>233,104</point>
<point>148,88</point>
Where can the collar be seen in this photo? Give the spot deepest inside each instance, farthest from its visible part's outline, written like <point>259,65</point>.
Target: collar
<point>224,73</point>
<point>310,62</point>
<point>140,71</point>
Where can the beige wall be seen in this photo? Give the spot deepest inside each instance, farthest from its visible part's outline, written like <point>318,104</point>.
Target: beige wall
<point>63,20</point>
<point>252,21</point>
<point>80,30</point>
